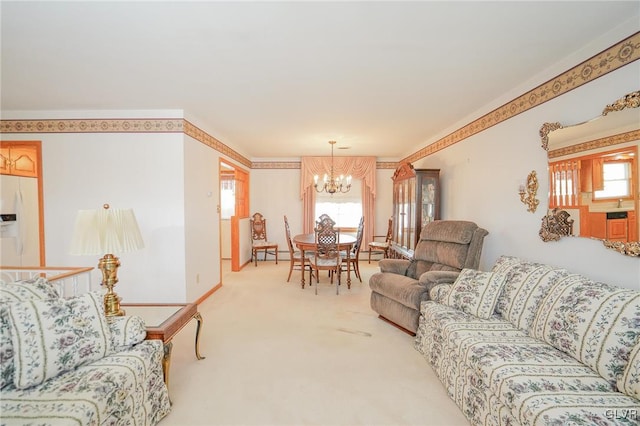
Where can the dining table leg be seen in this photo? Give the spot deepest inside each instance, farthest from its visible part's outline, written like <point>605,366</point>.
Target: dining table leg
<point>349,268</point>
<point>302,266</point>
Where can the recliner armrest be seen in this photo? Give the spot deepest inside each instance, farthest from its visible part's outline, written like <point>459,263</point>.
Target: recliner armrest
<point>395,266</point>
<point>432,278</point>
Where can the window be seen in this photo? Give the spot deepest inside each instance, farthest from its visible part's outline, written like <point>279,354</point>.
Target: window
<point>227,197</point>
<point>345,209</point>
<point>616,180</point>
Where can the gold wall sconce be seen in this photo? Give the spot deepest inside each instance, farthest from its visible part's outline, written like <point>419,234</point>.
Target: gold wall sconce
<point>528,192</point>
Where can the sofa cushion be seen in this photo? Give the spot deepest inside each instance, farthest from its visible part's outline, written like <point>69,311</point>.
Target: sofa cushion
<point>437,256</point>
<point>475,292</point>
<point>57,335</point>
<point>629,380</point>
<point>449,231</point>
<point>596,323</point>
<point>527,284</point>
<point>36,288</point>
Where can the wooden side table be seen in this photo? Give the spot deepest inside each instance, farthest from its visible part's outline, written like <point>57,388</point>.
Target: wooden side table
<point>163,321</point>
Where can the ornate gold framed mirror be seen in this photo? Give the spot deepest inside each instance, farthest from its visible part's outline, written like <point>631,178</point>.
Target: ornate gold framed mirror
<point>594,179</point>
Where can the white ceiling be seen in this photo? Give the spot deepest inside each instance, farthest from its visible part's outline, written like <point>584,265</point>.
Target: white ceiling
<point>281,79</point>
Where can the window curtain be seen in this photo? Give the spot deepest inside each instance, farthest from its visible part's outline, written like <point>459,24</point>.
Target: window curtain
<point>363,168</point>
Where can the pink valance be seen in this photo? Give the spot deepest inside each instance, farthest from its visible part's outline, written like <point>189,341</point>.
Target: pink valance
<point>358,167</point>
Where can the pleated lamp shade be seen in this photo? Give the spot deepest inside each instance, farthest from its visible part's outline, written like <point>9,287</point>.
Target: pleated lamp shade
<point>106,231</point>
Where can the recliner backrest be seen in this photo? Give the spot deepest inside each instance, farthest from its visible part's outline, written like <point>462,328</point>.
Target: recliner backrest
<point>447,245</point>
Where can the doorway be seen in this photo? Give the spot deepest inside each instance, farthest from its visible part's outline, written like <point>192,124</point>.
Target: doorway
<point>234,206</point>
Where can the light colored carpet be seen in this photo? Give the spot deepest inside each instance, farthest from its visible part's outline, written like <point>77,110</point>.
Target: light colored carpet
<point>280,355</point>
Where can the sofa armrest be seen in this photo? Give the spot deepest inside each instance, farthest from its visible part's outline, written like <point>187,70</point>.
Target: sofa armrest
<point>440,292</point>
<point>395,266</point>
<point>126,331</point>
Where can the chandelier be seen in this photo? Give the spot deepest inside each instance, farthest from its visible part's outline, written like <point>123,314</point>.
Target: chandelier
<point>331,184</point>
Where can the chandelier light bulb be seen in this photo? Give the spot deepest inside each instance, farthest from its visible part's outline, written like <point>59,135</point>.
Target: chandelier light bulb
<point>331,184</point>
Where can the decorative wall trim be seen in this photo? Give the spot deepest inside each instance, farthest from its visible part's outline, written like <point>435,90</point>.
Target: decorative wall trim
<point>615,57</point>
<point>609,60</point>
<point>595,144</point>
<point>275,165</point>
<point>150,125</point>
<point>202,136</point>
<point>392,165</point>
<point>296,165</point>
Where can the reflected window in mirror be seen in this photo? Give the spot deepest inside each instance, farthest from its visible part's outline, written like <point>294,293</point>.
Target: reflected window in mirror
<point>616,180</point>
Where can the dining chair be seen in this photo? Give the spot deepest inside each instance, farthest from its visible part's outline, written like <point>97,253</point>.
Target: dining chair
<point>294,255</point>
<point>355,252</point>
<point>259,241</point>
<point>379,246</point>
<point>327,256</point>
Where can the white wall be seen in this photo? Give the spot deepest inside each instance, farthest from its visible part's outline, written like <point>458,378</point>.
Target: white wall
<point>202,229</point>
<point>276,193</point>
<point>480,178</point>
<point>140,171</point>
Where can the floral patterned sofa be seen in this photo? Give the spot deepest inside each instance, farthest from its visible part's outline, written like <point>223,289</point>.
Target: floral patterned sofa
<point>62,362</point>
<point>530,344</point>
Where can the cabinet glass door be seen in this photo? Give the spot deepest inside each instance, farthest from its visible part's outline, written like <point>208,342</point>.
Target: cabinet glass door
<point>411,207</point>
<point>428,200</point>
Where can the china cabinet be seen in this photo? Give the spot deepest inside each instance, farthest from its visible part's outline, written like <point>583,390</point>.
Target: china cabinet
<point>416,201</point>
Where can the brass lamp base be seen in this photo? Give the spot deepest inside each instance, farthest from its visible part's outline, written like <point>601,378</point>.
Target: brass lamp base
<point>109,266</point>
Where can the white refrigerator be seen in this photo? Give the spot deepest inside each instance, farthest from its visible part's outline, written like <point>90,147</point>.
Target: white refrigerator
<point>19,238</point>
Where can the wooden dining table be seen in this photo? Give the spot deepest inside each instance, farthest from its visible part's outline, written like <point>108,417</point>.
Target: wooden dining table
<point>308,242</point>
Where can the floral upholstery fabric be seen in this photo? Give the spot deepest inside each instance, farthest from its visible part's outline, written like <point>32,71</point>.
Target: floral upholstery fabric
<point>526,285</point>
<point>629,380</point>
<point>56,335</point>
<point>595,323</point>
<point>123,388</point>
<point>37,288</point>
<point>440,292</point>
<point>499,375</point>
<point>559,349</point>
<point>126,331</point>
<point>475,292</point>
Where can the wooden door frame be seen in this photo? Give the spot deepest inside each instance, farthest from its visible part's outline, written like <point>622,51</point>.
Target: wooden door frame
<point>241,211</point>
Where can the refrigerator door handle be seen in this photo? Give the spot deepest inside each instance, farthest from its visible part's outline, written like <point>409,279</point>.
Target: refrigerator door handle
<point>21,231</point>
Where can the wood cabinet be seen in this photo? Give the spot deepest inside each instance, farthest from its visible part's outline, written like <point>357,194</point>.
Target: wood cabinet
<point>632,225</point>
<point>598,225</point>
<point>19,159</point>
<point>617,230</point>
<point>416,201</point>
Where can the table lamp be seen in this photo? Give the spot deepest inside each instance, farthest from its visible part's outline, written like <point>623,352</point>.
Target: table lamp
<point>107,231</point>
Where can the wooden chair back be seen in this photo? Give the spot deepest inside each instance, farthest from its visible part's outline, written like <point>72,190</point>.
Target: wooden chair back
<point>258,227</point>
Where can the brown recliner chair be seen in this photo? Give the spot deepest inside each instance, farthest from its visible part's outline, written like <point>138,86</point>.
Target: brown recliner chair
<point>445,248</point>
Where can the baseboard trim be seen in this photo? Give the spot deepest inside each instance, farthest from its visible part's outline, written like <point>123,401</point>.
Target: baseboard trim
<point>208,293</point>
<point>399,327</point>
